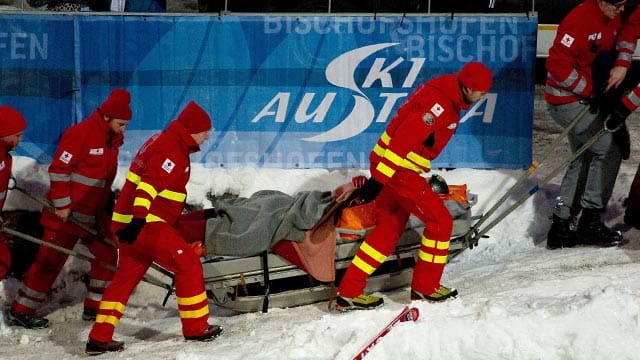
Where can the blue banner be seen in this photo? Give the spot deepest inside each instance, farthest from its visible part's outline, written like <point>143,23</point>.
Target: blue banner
<point>283,91</point>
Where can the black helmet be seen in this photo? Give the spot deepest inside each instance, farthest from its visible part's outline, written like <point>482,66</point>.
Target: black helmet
<point>438,185</point>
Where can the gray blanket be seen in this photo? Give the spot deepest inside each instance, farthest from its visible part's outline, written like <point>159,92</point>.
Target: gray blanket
<point>249,226</point>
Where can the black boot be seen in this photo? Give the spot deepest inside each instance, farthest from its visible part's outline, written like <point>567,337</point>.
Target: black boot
<point>560,234</point>
<point>212,332</point>
<point>15,318</point>
<point>592,231</point>
<point>632,217</point>
<point>89,314</point>
<point>96,347</point>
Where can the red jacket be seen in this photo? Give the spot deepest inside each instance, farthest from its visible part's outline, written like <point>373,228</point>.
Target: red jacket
<point>155,188</point>
<point>626,46</point>
<point>420,130</point>
<point>5,171</point>
<point>82,171</point>
<point>582,34</point>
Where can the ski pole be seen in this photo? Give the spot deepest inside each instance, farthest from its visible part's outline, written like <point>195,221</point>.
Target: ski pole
<point>529,171</point>
<point>47,204</point>
<point>147,278</point>
<point>537,187</point>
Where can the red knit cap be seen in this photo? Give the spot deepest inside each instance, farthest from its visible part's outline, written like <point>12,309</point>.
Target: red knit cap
<point>117,105</point>
<point>194,118</point>
<point>475,76</point>
<point>11,121</point>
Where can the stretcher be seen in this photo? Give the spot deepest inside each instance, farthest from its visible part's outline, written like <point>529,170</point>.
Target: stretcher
<point>293,273</point>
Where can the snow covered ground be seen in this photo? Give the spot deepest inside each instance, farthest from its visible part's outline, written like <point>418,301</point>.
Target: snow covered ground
<point>517,299</point>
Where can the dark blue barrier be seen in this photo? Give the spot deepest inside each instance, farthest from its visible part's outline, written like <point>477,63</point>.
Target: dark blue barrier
<point>284,91</point>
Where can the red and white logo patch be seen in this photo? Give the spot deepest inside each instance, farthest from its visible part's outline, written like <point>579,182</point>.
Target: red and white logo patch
<point>168,165</point>
<point>437,109</point>
<point>65,157</point>
<point>567,40</point>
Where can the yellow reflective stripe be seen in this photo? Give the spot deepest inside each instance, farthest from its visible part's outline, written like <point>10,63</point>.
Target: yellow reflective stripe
<point>121,218</point>
<point>142,202</point>
<point>109,319</point>
<point>424,256</point>
<point>439,259</point>
<point>148,188</point>
<point>173,195</point>
<point>379,150</point>
<point>393,157</point>
<point>193,299</point>
<point>112,305</point>
<point>133,177</point>
<point>385,169</point>
<point>441,245</point>
<point>396,159</point>
<point>360,264</point>
<point>194,314</point>
<point>154,218</point>
<point>373,253</point>
<point>419,160</point>
<point>385,138</point>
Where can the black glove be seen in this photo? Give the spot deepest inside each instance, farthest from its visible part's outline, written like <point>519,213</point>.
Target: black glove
<point>594,103</point>
<point>619,114</point>
<point>130,233</point>
<point>369,190</point>
<point>622,139</point>
<point>111,202</point>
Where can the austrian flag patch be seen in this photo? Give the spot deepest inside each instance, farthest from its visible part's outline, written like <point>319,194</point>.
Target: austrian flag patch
<point>168,165</point>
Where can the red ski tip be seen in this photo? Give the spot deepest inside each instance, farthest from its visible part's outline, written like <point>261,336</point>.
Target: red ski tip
<point>414,314</point>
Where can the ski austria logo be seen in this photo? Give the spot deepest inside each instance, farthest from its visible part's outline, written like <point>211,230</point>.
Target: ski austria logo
<point>362,114</point>
<point>366,109</point>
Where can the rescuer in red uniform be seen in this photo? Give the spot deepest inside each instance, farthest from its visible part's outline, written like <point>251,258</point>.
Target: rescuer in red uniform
<point>626,47</point>
<point>150,203</point>
<point>417,134</point>
<point>588,31</point>
<point>12,125</point>
<point>81,173</point>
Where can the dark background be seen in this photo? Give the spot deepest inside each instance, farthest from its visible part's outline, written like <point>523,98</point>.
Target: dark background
<point>549,12</point>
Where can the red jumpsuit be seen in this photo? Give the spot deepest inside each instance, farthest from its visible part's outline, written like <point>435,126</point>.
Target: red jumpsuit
<point>155,190</point>
<point>5,174</point>
<point>575,47</point>
<point>81,173</point>
<point>415,136</point>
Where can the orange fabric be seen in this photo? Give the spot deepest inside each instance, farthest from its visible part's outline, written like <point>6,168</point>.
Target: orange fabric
<point>358,217</point>
<point>456,193</point>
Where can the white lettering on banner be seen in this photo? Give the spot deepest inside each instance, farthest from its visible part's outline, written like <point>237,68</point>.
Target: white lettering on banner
<point>484,39</point>
<point>364,25</point>
<point>295,159</point>
<point>24,46</point>
<point>341,73</point>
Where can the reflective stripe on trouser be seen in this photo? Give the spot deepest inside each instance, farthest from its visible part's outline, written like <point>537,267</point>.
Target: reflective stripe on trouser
<point>157,242</point>
<point>589,180</point>
<point>393,205</point>
<point>48,264</point>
